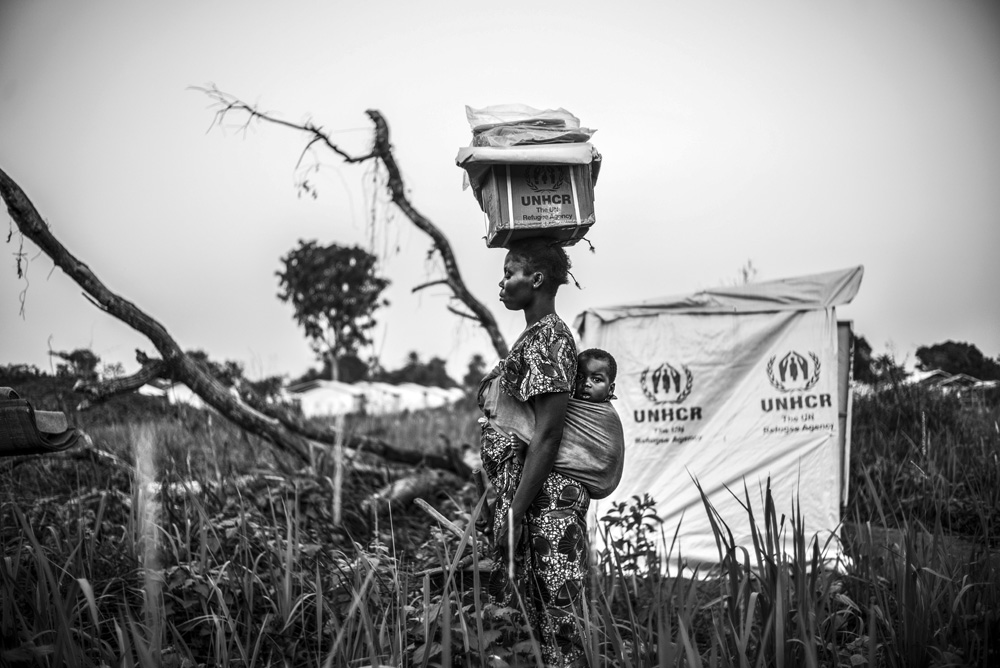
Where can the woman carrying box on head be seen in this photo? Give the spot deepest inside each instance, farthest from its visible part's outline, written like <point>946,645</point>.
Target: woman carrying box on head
<point>539,523</point>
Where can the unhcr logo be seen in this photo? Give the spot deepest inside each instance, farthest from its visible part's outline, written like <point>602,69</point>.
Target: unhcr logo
<point>545,178</point>
<point>666,384</point>
<point>793,372</point>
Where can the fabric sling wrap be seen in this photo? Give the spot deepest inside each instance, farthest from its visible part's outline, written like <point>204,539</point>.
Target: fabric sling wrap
<point>592,450</point>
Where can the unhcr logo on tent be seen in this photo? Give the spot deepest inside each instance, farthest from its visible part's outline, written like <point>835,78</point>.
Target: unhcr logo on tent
<point>794,372</point>
<point>662,385</point>
<point>667,384</point>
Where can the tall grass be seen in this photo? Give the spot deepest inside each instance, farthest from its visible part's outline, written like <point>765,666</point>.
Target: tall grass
<point>252,569</point>
<point>919,456</point>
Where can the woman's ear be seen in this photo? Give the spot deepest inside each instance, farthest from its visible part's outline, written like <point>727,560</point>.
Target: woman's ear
<point>537,279</point>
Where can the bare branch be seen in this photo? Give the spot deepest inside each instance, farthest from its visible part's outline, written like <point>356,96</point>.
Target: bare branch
<point>305,150</point>
<point>382,150</point>
<point>442,281</point>
<point>462,314</point>
<point>226,104</point>
<point>445,523</point>
<point>98,391</point>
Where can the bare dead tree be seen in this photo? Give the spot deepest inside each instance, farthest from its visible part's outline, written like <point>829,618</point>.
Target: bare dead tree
<point>174,362</point>
<point>285,431</point>
<point>381,152</point>
<point>279,427</point>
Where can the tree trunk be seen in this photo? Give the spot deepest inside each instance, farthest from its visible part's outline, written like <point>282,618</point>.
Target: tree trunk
<point>334,366</point>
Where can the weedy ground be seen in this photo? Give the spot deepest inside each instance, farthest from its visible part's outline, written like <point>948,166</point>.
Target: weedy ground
<point>194,544</point>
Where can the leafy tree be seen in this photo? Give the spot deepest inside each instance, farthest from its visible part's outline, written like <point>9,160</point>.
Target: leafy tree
<point>957,357</point>
<point>472,378</point>
<point>437,374</point>
<point>863,370</point>
<point>350,369</point>
<point>432,374</point>
<point>334,291</point>
<point>268,389</point>
<point>113,370</point>
<point>82,363</point>
<point>888,371</point>
<point>20,371</point>
<point>229,373</point>
<point>312,373</point>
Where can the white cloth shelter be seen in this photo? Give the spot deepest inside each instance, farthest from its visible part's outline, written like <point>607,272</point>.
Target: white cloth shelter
<point>424,396</point>
<point>380,398</point>
<point>323,398</point>
<point>732,387</point>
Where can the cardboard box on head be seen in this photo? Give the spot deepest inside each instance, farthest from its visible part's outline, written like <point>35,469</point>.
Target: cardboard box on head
<point>539,190</point>
<point>537,200</point>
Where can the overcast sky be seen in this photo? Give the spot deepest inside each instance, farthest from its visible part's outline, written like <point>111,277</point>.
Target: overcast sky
<point>803,137</point>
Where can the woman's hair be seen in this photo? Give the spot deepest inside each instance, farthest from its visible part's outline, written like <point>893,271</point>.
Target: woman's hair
<point>601,356</point>
<point>544,255</point>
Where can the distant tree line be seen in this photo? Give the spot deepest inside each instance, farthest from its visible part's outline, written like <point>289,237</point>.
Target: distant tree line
<point>351,369</point>
<point>951,357</point>
<point>84,364</point>
<point>957,357</point>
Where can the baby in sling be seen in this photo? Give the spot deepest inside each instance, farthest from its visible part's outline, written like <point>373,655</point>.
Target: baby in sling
<point>592,450</point>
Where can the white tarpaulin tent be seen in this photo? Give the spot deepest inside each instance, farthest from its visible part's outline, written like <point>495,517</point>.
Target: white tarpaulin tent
<point>733,386</point>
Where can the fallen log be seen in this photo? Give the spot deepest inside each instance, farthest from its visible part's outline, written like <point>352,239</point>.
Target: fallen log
<point>401,493</point>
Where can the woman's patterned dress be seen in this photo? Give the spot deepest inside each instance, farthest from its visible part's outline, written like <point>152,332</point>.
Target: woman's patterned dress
<point>550,563</point>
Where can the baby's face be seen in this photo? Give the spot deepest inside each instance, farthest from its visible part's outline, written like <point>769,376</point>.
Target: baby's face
<point>593,381</point>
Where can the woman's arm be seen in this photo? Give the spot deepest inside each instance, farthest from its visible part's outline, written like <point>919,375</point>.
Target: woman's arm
<point>550,412</point>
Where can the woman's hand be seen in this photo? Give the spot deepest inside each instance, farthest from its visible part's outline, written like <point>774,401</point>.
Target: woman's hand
<point>509,536</point>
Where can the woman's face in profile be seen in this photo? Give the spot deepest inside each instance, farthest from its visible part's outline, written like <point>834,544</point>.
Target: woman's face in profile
<point>516,286</point>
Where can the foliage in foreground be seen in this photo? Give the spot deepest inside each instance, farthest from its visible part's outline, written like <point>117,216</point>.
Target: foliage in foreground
<point>227,562</point>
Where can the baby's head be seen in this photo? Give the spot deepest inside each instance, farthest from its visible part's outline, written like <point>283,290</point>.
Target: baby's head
<point>595,376</point>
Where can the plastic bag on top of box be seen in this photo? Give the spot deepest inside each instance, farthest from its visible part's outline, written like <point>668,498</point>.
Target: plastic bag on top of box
<point>507,125</point>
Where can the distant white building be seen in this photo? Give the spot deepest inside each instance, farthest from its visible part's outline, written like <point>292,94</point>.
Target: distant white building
<point>381,398</point>
<point>971,391</point>
<point>323,398</point>
<point>432,397</point>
